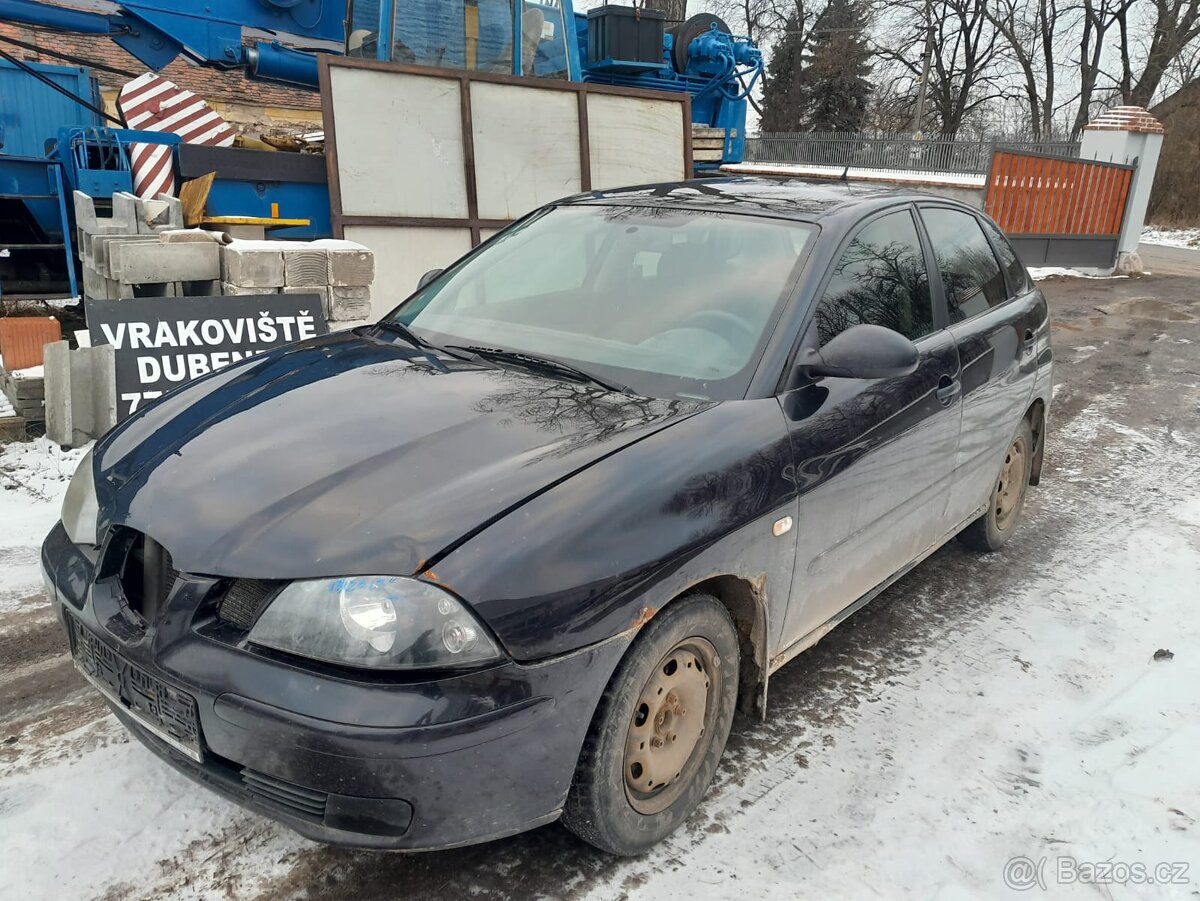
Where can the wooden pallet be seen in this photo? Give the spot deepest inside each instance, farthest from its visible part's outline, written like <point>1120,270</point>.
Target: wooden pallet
<point>27,396</point>
<point>708,144</point>
<point>12,428</point>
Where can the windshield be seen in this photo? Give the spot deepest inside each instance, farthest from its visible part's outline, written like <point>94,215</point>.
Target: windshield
<point>672,303</point>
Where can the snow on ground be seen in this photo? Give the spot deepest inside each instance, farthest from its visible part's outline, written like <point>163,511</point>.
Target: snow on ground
<point>1033,723</point>
<point>30,372</point>
<point>1044,730</point>
<point>1037,273</point>
<point>1172,237</point>
<point>860,173</point>
<point>33,478</point>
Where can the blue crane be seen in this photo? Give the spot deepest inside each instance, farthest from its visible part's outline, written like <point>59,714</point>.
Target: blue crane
<point>278,41</point>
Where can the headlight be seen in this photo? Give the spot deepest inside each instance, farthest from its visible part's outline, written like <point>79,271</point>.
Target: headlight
<point>377,622</point>
<point>80,511</point>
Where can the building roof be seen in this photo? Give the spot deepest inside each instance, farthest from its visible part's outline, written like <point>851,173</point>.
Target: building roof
<point>100,53</point>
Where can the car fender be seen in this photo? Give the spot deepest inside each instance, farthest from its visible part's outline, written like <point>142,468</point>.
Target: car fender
<point>601,553</point>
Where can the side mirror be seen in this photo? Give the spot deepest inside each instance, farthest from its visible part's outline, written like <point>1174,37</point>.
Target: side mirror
<point>863,352</point>
<point>428,277</point>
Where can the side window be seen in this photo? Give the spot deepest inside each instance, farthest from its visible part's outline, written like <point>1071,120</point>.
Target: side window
<point>1018,275</point>
<point>880,280</point>
<point>970,273</point>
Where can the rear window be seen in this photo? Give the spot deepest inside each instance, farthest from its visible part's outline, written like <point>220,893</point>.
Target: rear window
<point>970,271</point>
<point>1014,269</point>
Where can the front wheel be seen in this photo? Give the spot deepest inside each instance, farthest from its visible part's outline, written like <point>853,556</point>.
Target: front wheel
<point>993,529</point>
<point>659,730</point>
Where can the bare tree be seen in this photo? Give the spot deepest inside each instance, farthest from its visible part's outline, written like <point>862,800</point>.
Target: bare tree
<point>1030,28</point>
<point>675,10</point>
<point>1176,24</point>
<point>965,73</point>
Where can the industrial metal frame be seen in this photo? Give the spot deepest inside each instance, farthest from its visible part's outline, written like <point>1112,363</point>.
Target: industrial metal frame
<point>473,222</point>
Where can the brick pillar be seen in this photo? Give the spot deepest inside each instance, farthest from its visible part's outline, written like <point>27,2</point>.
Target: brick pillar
<point>1127,134</point>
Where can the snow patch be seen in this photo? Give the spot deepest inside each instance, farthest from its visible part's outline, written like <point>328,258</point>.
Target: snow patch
<point>1037,273</point>
<point>1171,237</point>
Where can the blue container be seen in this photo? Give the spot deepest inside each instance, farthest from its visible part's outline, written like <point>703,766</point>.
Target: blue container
<point>31,113</point>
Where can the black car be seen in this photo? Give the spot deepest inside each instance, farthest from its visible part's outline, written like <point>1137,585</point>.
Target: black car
<point>517,551</point>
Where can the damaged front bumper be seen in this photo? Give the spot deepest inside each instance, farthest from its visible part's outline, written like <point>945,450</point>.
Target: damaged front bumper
<point>380,761</point>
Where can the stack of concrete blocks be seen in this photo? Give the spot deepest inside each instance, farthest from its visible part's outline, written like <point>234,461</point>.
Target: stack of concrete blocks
<point>126,255</point>
<point>339,272</point>
<point>81,392</point>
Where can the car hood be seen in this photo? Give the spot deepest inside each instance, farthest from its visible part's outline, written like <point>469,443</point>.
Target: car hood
<point>349,455</point>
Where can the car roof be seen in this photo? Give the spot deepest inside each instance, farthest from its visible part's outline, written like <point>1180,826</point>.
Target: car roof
<point>802,200</point>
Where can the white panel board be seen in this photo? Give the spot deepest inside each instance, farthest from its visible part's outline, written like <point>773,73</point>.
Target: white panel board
<point>634,141</point>
<point>526,147</point>
<point>399,144</point>
<point>403,254</point>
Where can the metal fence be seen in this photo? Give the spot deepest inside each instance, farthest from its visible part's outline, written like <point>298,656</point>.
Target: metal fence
<point>937,154</point>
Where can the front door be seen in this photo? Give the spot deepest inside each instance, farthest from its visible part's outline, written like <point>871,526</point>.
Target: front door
<point>996,316</point>
<point>873,457</point>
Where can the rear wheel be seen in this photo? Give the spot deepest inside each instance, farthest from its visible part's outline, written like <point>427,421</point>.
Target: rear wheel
<point>993,529</point>
<point>659,730</point>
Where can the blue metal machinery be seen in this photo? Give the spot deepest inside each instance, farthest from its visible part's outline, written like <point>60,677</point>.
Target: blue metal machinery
<point>537,38</point>
<point>614,44</point>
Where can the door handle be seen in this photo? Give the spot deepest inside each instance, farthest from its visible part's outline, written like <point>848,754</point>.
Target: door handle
<point>948,389</point>
<point>1030,340</point>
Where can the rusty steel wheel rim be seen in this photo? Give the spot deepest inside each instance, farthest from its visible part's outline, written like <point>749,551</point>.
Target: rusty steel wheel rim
<point>1011,485</point>
<point>665,742</point>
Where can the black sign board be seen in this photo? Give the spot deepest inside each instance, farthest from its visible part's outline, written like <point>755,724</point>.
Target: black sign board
<point>164,342</point>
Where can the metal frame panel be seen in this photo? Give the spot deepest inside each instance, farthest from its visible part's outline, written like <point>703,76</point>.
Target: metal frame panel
<point>473,221</point>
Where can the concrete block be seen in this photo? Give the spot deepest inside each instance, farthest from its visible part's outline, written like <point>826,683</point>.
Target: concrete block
<point>321,292</point>
<point>12,428</point>
<point>57,367</point>
<point>96,286</point>
<point>242,232</point>
<point>141,264</point>
<point>351,268</point>
<point>349,303</point>
<point>192,236</point>
<point>104,387</point>
<point>102,250</point>
<point>147,217</point>
<point>238,291</point>
<point>85,212</point>
<point>305,267</point>
<point>252,267</point>
<point>81,393</point>
<point>201,289</point>
<point>82,414</point>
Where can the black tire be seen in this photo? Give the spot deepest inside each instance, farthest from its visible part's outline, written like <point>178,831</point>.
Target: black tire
<point>602,807</point>
<point>993,529</point>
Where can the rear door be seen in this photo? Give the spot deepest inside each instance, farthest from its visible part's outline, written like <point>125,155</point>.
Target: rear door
<point>996,316</point>
<point>873,457</point>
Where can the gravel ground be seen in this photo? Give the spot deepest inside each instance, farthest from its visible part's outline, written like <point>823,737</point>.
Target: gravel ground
<point>985,709</point>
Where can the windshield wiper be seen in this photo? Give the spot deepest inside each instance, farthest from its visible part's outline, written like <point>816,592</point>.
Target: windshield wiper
<point>404,332</point>
<point>542,364</point>
<point>413,338</point>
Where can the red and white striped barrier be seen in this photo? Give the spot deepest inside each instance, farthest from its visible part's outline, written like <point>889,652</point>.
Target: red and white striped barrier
<point>152,103</point>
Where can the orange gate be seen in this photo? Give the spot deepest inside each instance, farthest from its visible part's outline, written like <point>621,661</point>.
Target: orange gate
<point>1056,211</point>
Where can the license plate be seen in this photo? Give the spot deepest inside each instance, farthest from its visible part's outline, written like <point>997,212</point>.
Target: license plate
<point>166,712</point>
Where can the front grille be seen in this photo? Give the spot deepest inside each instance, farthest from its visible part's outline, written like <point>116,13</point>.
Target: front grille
<point>145,572</point>
<point>245,601</point>
<point>304,801</point>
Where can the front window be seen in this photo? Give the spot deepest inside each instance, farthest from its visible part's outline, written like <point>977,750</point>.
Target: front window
<point>672,303</point>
